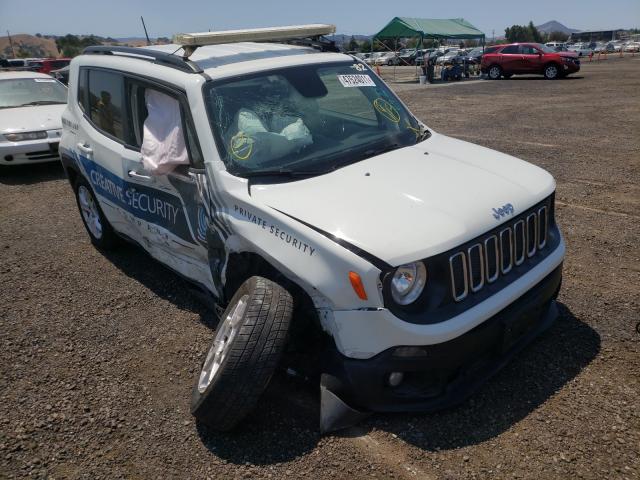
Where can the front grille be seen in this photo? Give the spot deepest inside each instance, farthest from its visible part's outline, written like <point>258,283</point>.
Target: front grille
<point>496,254</point>
<point>50,153</point>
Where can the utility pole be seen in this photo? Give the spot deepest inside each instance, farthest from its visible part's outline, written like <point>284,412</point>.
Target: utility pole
<point>493,36</point>
<point>13,52</point>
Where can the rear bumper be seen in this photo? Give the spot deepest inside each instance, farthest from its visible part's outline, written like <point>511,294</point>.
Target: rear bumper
<point>447,372</point>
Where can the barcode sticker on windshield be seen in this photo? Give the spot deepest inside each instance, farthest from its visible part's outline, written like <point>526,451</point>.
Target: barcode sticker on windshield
<point>44,80</point>
<point>356,81</point>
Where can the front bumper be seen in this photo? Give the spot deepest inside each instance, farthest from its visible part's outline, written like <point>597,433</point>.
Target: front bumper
<point>571,67</point>
<point>31,151</point>
<point>447,372</point>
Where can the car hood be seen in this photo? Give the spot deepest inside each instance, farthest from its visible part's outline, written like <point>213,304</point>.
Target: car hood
<point>29,119</point>
<point>413,202</point>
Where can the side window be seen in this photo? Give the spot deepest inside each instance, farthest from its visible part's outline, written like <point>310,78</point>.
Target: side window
<point>138,113</point>
<point>106,102</point>
<point>82,89</point>
<point>510,49</point>
<point>528,50</point>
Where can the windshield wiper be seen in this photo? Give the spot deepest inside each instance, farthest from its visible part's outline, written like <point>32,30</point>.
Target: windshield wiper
<point>41,102</point>
<point>372,152</point>
<point>286,172</point>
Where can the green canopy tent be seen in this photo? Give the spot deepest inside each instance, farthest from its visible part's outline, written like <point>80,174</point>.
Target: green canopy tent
<point>405,27</point>
<point>434,28</point>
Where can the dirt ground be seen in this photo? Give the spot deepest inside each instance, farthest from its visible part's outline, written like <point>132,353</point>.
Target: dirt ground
<point>99,352</point>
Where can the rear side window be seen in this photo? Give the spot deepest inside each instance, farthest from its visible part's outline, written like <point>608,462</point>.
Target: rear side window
<point>106,102</point>
<point>510,49</point>
<point>83,83</point>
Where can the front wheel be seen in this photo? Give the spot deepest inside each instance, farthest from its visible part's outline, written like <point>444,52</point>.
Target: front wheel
<point>551,71</point>
<point>495,72</point>
<point>248,344</point>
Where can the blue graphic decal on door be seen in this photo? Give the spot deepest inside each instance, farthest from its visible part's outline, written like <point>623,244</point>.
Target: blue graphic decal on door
<point>149,204</point>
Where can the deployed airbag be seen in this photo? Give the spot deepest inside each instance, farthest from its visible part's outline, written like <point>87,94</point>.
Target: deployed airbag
<point>163,146</point>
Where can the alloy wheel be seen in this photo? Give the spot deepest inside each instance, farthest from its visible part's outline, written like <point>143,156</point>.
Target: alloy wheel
<point>90,213</point>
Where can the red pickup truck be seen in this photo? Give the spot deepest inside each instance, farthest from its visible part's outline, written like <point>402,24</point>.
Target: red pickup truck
<point>528,58</point>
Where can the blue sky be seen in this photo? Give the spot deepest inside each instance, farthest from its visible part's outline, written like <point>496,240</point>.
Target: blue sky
<point>121,18</point>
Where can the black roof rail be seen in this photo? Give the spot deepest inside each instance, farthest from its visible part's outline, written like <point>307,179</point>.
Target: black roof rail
<point>320,43</point>
<point>154,56</point>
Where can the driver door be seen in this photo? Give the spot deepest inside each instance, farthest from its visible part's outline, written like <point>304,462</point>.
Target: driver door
<point>171,210</point>
<point>531,59</point>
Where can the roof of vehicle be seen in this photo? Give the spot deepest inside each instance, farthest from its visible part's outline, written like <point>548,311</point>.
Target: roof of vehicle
<point>22,74</point>
<point>501,45</point>
<point>234,58</point>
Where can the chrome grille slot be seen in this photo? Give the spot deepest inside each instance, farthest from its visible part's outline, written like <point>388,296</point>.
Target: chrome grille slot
<point>506,250</point>
<point>476,267</point>
<point>543,227</point>
<point>491,258</point>
<point>459,277</point>
<point>532,234</point>
<point>519,242</point>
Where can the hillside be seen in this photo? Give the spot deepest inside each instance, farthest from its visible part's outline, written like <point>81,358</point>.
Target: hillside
<point>46,47</point>
<point>555,26</point>
<point>35,46</point>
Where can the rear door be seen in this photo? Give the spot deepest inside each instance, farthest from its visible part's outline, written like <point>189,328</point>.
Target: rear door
<point>101,150</point>
<point>511,59</point>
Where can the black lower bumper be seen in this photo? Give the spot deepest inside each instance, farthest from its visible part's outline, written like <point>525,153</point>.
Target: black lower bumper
<point>442,375</point>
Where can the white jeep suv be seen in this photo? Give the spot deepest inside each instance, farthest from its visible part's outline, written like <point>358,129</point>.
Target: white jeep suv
<point>292,185</point>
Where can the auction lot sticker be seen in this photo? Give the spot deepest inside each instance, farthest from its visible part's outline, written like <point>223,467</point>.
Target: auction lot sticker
<point>356,81</point>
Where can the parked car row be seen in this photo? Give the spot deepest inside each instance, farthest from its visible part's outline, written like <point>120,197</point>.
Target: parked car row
<point>589,48</point>
<point>40,65</point>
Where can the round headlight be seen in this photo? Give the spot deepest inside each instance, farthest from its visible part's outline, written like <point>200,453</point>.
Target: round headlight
<point>408,282</point>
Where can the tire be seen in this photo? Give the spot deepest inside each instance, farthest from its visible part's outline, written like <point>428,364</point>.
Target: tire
<point>507,76</point>
<point>98,227</point>
<point>249,342</point>
<point>495,72</point>
<point>551,71</point>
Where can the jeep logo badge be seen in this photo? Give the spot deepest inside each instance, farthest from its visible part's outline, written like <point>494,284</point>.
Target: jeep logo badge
<point>503,211</point>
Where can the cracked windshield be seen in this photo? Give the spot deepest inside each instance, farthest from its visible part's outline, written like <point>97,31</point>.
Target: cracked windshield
<point>306,120</point>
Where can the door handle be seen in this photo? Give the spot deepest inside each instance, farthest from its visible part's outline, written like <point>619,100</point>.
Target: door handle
<point>138,176</point>
<point>84,148</point>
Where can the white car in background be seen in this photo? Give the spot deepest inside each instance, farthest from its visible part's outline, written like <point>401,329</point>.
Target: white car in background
<point>31,106</point>
<point>632,47</point>
<point>388,58</point>
<point>373,58</point>
<point>582,49</point>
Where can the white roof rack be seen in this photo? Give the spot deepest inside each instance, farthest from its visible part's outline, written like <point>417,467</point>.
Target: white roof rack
<point>191,41</point>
